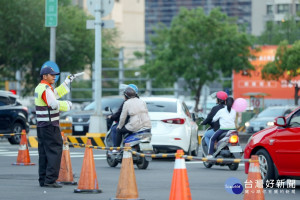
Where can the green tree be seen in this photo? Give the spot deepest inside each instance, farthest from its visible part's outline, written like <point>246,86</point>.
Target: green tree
<point>25,41</point>
<point>274,32</point>
<point>285,66</point>
<point>197,47</point>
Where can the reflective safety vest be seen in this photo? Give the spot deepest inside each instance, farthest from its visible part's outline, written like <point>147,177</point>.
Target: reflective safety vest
<point>46,115</point>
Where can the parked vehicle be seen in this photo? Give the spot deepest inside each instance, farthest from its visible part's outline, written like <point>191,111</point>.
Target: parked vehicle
<point>277,148</point>
<point>228,146</point>
<point>173,126</point>
<point>266,118</point>
<point>81,119</point>
<point>139,142</point>
<point>13,116</point>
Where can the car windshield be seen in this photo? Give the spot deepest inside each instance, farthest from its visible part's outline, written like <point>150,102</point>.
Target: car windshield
<point>161,106</point>
<point>113,103</point>
<point>272,112</point>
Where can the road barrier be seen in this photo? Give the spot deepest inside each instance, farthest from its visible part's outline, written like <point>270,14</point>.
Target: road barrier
<point>9,134</point>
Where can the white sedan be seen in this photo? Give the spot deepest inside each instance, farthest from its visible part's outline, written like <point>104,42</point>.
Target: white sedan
<point>173,126</point>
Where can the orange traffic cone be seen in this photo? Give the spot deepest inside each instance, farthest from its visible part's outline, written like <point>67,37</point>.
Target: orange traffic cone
<point>254,183</point>
<point>88,182</point>
<point>180,189</point>
<point>23,154</point>
<point>127,188</point>
<point>65,172</point>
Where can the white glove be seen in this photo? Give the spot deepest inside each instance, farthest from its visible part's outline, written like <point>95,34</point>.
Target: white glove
<point>70,104</point>
<point>69,79</point>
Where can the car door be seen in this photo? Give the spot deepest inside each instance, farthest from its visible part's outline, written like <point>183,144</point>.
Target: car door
<point>287,146</point>
<point>4,113</point>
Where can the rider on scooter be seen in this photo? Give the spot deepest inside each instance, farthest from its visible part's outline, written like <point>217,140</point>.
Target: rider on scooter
<point>214,126</point>
<point>136,110</point>
<point>226,116</point>
<point>116,116</point>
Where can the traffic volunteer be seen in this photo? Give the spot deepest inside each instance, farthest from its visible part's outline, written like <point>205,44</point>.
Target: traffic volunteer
<point>50,141</point>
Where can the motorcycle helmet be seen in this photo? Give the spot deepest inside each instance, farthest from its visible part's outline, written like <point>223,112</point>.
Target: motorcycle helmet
<point>129,93</point>
<point>134,87</point>
<point>221,96</point>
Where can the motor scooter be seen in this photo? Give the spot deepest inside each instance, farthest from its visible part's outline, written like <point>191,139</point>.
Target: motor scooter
<point>139,141</point>
<point>227,146</point>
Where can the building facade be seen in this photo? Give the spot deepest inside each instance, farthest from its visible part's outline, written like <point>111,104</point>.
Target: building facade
<point>277,11</point>
<point>129,18</point>
<point>163,11</point>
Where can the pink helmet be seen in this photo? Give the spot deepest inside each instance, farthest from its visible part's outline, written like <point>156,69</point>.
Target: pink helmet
<point>222,95</point>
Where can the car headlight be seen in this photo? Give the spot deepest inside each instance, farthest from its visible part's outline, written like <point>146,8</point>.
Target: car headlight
<point>247,124</point>
<point>69,118</point>
<point>270,123</point>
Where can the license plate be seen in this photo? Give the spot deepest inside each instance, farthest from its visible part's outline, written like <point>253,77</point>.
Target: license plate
<point>78,128</point>
<point>145,147</point>
<point>235,149</point>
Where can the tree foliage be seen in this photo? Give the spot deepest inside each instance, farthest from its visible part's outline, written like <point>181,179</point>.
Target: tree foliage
<point>285,66</point>
<point>25,41</point>
<point>197,47</point>
<point>274,32</point>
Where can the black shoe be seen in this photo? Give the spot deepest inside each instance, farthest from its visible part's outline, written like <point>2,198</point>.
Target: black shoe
<point>53,185</point>
<point>42,184</point>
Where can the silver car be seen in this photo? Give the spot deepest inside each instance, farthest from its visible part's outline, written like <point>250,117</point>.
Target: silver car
<point>266,118</point>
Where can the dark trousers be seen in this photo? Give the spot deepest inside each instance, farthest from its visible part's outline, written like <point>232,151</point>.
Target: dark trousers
<point>50,145</point>
<point>212,140</point>
<point>119,136</point>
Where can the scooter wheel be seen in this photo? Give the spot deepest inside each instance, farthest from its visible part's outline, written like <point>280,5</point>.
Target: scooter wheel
<point>233,166</point>
<point>207,164</point>
<point>112,162</point>
<point>142,163</point>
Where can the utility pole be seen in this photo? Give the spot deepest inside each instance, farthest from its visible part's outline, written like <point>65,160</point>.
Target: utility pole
<point>121,69</point>
<point>98,8</point>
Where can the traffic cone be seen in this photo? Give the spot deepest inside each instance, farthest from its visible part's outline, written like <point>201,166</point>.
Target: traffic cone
<point>65,172</point>
<point>254,190</point>
<point>127,188</point>
<point>23,154</point>
<point>88,182</point>
<point>180,189</point>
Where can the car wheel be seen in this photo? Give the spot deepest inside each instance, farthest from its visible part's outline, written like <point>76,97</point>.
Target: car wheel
<point>265,165</point>
<point>233,166</point>
<point>206,164</point>
<point>17,128</point>
<point>112,162</point>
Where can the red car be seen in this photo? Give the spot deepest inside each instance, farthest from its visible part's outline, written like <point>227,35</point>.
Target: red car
<point>278,148</point>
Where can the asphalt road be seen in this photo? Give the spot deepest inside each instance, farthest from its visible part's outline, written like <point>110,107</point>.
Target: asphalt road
<point>154,183</point>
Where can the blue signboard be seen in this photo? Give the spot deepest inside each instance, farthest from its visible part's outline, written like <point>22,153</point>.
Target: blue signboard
<point>54,67</point>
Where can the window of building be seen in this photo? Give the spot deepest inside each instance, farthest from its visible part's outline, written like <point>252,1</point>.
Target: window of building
<point>283,8</point>
<point>298,8</point>
<point>269,9</point>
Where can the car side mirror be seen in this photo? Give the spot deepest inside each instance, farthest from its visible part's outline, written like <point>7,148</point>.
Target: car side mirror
<point>280,121</point>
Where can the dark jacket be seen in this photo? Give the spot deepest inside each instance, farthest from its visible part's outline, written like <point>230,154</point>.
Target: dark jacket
<point>116,116</point>
<point>215,125</point>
